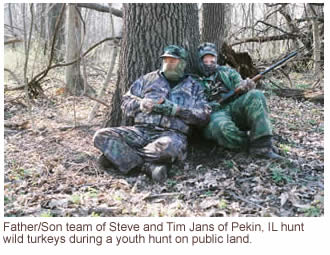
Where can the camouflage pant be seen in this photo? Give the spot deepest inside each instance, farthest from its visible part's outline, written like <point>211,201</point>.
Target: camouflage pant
<point>129,147</point>
<point>229,126</point>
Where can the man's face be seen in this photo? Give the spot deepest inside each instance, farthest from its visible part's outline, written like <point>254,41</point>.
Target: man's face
<point>209,59</point>
<point>170,63</point>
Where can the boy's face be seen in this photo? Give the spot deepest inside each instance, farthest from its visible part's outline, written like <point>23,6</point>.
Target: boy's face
<point>209,59</point>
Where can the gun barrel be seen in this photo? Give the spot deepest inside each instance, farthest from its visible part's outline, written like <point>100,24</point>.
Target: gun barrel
<point>257,77</point>
<point>291,55</point>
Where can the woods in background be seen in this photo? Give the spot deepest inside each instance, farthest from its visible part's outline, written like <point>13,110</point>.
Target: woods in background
<point>73,36</point>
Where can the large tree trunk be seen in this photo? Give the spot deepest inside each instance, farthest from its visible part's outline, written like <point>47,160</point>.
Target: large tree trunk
<point>148,28</point>
<point>213,25</point>
<point>73,79</point>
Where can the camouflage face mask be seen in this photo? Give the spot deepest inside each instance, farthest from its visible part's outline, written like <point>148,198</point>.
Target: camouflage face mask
<point>176,73</point>
<point>207,70</point>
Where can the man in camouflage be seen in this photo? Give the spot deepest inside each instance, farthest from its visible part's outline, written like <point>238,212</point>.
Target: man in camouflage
<point>164,105</point>
<point>230,123</point>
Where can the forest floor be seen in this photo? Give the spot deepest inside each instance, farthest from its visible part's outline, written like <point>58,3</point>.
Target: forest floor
<point>51,167</point>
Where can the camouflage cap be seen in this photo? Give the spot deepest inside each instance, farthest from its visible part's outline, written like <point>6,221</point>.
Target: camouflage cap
<point>174,51</point>
<point>207,48</point>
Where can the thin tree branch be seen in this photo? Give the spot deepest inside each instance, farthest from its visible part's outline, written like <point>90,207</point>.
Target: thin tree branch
<point>74,61</point>
<point>275,27</point>
<point>272,5</point>
<point>13,41</point>
<point>317,4</point>
<point>262,39</point>
<point>10,28</point>
<point>101,8</point>
<point>97,100</point>
<point>14,76</point>
<point>110,71</point>
<point>90,97</point>
<point>57,25</point>
<point>320,19</point>
<point>27,43</point>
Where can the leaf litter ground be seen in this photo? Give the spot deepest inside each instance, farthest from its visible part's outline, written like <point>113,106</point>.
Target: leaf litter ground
<point>51,169</point>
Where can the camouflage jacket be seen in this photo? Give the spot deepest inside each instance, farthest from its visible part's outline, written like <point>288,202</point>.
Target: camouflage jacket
<point>188,95</point>
<point>224,79</point>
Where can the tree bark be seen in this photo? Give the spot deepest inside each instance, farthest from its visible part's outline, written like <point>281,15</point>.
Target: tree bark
<point>293,29</point>
<point>42,12</point>
<point>213,25</point>
<point>110,71</point>
<point>73,79</point>
<point>101,8</point>
<point>52,17</point>
<point>148,28</point>
<point>316,43</point>
<point>252,15</point>
<point>274,44</point>
<point>10,18</point>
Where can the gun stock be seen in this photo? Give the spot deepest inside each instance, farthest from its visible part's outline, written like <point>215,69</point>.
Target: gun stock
<point>257,77</point>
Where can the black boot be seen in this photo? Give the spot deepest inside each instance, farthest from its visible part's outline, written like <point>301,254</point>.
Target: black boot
<point>263,148</point>
<point>158,172</point>
<point>265,152</point>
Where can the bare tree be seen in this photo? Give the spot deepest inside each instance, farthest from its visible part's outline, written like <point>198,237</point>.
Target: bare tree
<point>53,13</point>
<point>42,19</point>
<point>252,22</point>
<point>110,71</point>
<point>316,41</point>
<point>27,44</point>
<point>10,19</point>
<point>73,79</point>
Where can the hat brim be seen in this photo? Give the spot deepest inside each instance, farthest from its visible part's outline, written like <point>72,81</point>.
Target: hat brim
<point>209,53</point>
<point>169,55</point>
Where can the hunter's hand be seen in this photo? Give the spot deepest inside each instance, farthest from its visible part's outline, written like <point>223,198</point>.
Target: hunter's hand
<point>167,108</point>
<point>247,85</point>
<point>146,105</point>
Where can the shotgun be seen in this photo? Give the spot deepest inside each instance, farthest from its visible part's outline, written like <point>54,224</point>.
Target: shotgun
<point>256,78</point>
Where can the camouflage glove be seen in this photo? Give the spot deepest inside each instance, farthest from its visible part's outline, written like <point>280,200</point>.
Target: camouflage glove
<point>167,108</point>
<point>214,106</point>
<point>247,85</point>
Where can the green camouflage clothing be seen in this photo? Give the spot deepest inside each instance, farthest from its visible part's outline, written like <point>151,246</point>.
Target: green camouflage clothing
<point>230,122</point>
<point>161,135</point>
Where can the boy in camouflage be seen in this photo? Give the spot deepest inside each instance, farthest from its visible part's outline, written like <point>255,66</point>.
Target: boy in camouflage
<point>230,122</point>
<point>164,105</point>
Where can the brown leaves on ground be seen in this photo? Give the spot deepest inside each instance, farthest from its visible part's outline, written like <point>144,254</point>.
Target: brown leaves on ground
<point>51,169</point>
